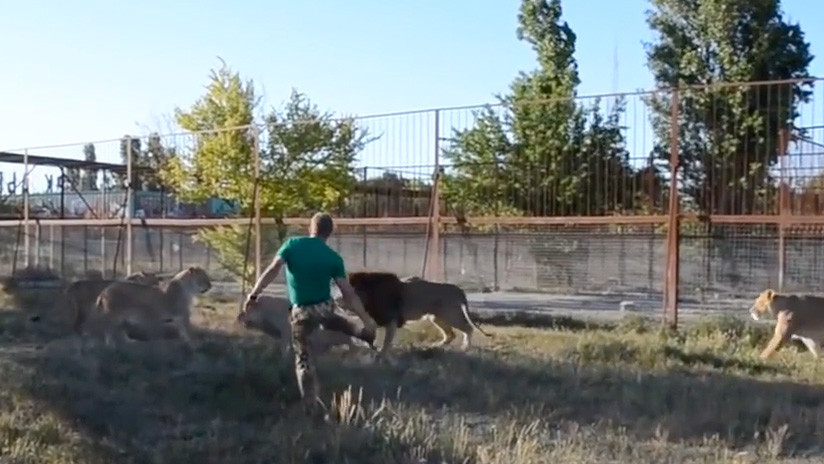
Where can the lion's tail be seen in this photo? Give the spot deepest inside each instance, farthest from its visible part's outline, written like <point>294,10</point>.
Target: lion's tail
<point>465,309</point>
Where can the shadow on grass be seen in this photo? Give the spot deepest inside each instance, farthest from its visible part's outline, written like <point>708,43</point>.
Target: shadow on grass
<point>233,402</point>
<point>539,321</point>
<point>688,405</point>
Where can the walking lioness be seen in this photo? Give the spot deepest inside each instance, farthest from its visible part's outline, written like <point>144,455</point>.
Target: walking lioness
<point>132,310</point>
<point>799,317</point>
<point>81,296</point>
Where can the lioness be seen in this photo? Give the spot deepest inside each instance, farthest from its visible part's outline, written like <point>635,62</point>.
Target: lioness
<point>443,304</point>
<point>80,296</point>
<point>270,315</point>
<point>799,317</point>
<point>132,310</point>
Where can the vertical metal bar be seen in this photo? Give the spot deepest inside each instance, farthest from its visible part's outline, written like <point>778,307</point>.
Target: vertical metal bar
<point>129,207</point>
<point>37,231</point>
<point>160,229</point>
<point>364,238</point>
<point>497,230</point>
<point>258,249</point>
<point>671,276</point>
<point>180,250</point>
<point>26,244</point>
<point>434,254</point>
<point>105,210</point>
<point>51,246</point>
<point>783,140</point>
<point>63,216</point>
<point>86,250</point>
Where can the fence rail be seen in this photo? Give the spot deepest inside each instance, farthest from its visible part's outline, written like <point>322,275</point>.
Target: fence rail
<point>703,189</point>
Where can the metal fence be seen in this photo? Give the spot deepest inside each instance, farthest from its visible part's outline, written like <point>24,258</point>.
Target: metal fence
<point>698,190</point>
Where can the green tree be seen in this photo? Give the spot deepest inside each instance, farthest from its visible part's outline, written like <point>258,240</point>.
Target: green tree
<point>478,156</point>
<point>306,162</point>
<point>152,161</point>
<point>89,176</point>
<point>221,163</point>
<point>311,155</point>
<point>545,154</point>
<point>728,136</point>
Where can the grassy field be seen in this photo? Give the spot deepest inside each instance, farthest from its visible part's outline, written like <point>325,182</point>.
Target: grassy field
<point>571,392</point>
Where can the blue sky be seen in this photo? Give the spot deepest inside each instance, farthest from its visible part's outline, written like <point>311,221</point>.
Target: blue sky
<point>89,70</point>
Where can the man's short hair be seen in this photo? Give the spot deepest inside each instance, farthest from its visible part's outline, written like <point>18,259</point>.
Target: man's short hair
<point>322,225</point>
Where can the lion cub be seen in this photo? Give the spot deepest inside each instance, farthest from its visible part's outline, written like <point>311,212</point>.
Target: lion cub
<point>798,317</point>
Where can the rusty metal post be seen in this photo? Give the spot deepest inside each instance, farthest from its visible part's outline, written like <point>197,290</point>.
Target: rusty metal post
<point>434,252</point>
<point>364,210</point>
<point>673,223</point>
<point>107,213</point>
<point>129,207</point>
<point>783,207</point>
<point>26,244</point>
<point>256,155</point>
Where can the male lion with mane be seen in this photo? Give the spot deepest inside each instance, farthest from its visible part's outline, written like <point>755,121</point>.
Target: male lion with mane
<point>131,310</point>
<point>798,317</point>
<point>392,302</point>
<point>381,296</point>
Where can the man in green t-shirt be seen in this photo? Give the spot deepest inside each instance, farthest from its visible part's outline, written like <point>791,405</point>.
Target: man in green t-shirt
<point>310,265</point>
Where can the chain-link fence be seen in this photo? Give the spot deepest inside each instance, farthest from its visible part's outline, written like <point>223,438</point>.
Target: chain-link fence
<point>706,192</point>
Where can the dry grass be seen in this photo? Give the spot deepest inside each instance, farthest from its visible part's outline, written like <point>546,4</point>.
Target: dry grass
<point>573,394</point>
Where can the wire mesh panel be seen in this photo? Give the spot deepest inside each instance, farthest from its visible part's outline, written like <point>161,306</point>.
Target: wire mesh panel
<point>728,260</point>
<point>557,259</point>
<point>563,196</point>
<point>562,157</point>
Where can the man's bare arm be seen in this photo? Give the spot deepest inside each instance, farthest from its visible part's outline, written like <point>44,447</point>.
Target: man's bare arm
<point>354,303</point>
<point>269,275</point>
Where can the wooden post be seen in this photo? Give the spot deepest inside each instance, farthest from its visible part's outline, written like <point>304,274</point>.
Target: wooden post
<point>673,224</point>
<point>26,244</point>
<point>129,207</point>
<point>258,248</point>
<point>435,269</point>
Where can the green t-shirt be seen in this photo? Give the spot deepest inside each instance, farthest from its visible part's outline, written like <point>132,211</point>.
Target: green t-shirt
<point>310,266</point>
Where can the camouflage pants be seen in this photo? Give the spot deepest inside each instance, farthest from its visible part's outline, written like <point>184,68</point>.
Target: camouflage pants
<point>305,320</point>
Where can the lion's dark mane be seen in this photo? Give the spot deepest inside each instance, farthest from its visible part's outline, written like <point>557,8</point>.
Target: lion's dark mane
<point>380,293</point>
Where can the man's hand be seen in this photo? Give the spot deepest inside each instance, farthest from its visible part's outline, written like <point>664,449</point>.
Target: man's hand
<point>265,279</point>
<point>354,303</point>
<point>369,324</point>
<point>251,299</point>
